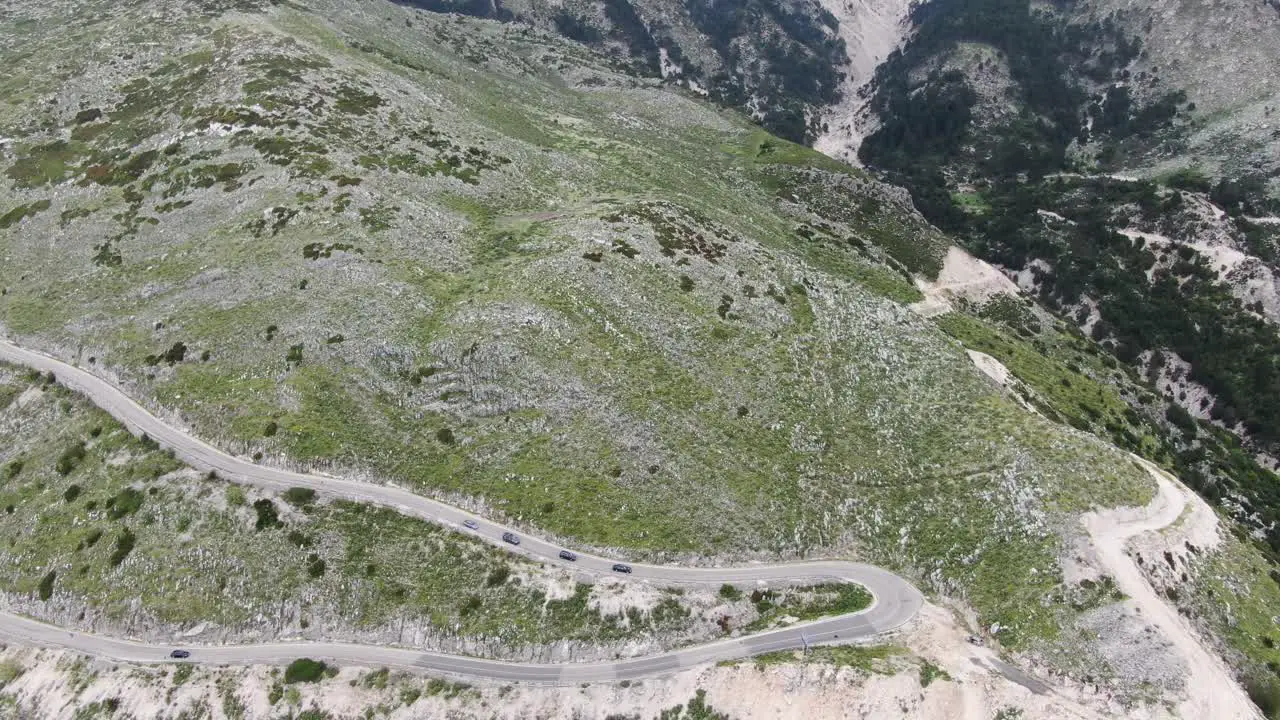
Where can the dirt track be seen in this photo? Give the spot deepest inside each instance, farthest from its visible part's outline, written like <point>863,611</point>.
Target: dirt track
<point>1211,690</point>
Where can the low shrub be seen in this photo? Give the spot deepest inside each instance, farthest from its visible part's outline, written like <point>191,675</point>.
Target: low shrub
<point>315,565</point>
<point>12,469</point>
<point>46,585</point>
<point>304,670</point>
<point>126,502</point>
<point>299,496</point>
<point>268,517</point>
<point>1265,693</point>
<point>70,458</point>
<point>124,545</point>
<point>497,576</point>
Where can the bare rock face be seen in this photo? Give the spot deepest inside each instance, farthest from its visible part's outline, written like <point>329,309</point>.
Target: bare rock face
<point>871,29</point>
<point>1222,53</point>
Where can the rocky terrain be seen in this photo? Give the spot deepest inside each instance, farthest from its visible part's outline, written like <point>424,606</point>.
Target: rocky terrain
<point>782,61</point>
<point>1219,55</point>
<point>1119,163</point>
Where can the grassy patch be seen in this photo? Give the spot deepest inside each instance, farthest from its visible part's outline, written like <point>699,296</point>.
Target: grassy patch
<point>46,164</point>
<point>970,202</point>
<point>763,148</point>
<point>1238,591</point>
<point>930,672</point>
<point>133,542</point>
<point>1071,385</point>
<point>807,603</point>
<point>18,214</point>
<point>867,658</point>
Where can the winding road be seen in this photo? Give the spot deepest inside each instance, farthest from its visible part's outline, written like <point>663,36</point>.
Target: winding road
<point>895,601</point>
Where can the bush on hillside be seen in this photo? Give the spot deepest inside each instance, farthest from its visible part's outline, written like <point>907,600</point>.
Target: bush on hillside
<point>126,502</point>
<point>268,517</point>
<point>1265,693</point>
<point>299,496</point>
<point>498,576</point>
<point>46,585</point>
<point>304,670</point>
<point>124,546</point>
<point>70,458</point>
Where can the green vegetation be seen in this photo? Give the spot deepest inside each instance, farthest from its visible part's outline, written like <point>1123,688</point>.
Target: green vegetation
<point>70,458</point>
<point>268,516</point>
<point>807,603</point>
<point>16,215</point>
<point>44,164</point>
<point>999,186</point>
<point>696,709</point>
<point>299,496</point>
<point>1182,309</point>
<point>124,503</point>
<point>46,585</point>
<point>1051,62</point>
<point>183,550</point>
<point>1077,382</point>
<point>1236,588</point>
<point>765,149</point>
<point>1070,382</point>
<point>304,670</point>
<point>125,543</point>
<point>867,658</point>
<point>10,670</point>
<point>445,688</point>
<point>930,672</point>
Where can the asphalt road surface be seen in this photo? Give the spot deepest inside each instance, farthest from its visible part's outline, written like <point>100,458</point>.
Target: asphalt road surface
<point>895,600</point>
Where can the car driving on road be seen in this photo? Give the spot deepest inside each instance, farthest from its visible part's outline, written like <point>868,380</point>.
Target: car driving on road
<point>470,524</point>
<point>622,568</point>
<point>511,538</point>
<point>566,555</point>
<point>180,654</point>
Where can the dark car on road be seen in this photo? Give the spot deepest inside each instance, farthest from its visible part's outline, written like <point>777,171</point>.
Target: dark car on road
<point>511,538</point>
<point>180,654</point>
<point>620,567</point>
<point>566,555</point>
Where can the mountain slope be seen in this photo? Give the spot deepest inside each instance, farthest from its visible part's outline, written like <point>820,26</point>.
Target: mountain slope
<point>1222,56</point>
<point>471,258</point>
<point>781,60</point>
<point>1022,129</point>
